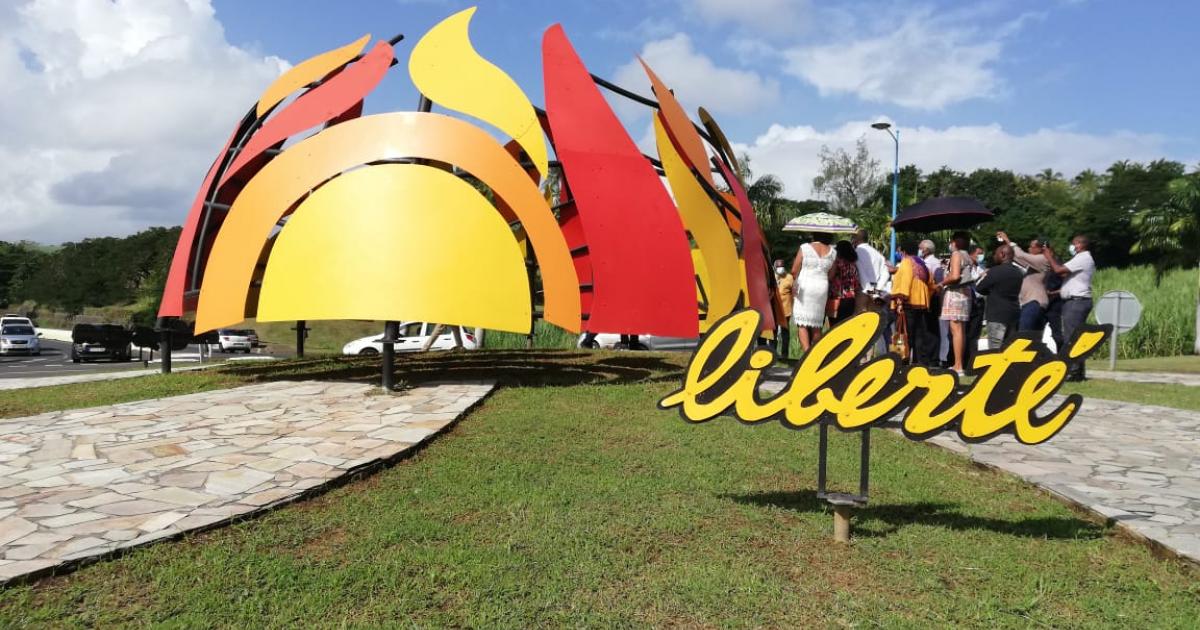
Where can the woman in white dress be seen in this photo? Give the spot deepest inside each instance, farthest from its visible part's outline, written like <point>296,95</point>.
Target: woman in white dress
<point>811,269</point>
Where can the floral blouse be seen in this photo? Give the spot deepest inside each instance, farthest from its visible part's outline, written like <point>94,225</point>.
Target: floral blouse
<point>844,283</point>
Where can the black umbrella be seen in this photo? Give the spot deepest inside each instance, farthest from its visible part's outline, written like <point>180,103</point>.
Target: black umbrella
<point>942,213</point>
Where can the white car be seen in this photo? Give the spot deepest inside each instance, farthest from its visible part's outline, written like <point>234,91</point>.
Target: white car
<point>612,341</point>
<point>19,338</point>
<point>17,319</point>
<point>413,336</point>
<point>232,340</point>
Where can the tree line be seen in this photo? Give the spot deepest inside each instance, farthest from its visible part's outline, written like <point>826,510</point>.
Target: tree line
<point>93,272</point>
<point>1134,213</point>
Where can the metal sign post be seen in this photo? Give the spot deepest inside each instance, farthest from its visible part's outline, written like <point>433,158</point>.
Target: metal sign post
<point>1122,310</point>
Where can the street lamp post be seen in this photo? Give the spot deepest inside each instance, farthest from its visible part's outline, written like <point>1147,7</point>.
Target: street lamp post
<point>895,177</point>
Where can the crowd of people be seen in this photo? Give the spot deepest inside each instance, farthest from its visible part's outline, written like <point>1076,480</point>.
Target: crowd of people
<point>936,306</point>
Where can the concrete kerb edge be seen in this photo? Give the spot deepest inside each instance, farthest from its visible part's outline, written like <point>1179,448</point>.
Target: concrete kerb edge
<point>354,474</point>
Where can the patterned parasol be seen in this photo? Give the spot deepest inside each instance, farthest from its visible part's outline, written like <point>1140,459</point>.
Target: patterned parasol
<point>821,222</point>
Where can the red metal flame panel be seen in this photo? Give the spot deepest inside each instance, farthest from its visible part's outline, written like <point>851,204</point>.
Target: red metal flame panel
<point>177,277</point>
<point>758,268</point>
<point>335,99</point>
<point>641,262</point>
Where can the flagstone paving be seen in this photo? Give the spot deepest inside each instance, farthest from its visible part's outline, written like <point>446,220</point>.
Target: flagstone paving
<point>86,482</point>
<point>1136,465</point>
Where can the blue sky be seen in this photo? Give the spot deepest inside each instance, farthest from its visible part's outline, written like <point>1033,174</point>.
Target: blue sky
<point>116,108</point>
<point>1098,66</point>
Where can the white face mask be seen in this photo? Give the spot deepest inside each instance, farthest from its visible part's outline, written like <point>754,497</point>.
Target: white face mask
<point>979,259</point>
<point>1071,249</point>
<point>779,270</point>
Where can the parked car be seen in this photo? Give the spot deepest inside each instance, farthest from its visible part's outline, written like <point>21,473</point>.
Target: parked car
<point>101,341</point>
<point>235,340</point>
<point>612,341</point>
<point>412,338</point>
<point>10,318</point>
<point>19,338</point>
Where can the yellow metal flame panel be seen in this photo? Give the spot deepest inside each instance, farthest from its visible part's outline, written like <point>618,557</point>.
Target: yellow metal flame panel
<point>446,68</point>
<point>397,242</point>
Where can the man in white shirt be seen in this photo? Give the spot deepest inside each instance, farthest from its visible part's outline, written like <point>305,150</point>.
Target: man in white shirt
<point>929,257</point>
<point>1076,293</point>
<point>873,271</point>
<point>875,275</point>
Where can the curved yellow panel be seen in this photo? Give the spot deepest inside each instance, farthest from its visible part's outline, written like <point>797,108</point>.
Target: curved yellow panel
<point>707,226</point>
<point>305,165</point>
<point>446,68</point>
<point>307,71</point>
<point>397,242</point>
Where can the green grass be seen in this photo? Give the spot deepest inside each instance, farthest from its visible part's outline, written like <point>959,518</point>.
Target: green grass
<point>545,336</point>
<point>1189,364</point>
<point>584,505</point>
<point>325,337</point>
<point>1177,396</point>
<point>1168,323</point>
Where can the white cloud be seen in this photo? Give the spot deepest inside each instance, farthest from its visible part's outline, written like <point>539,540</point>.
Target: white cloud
<point>927,60</point>
<point>791,152</point>
<point>773,17</point>
<point>112,111</point>
<point>697,80</point>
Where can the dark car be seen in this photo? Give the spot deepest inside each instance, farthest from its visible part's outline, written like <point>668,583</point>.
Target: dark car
<point>101,341</point>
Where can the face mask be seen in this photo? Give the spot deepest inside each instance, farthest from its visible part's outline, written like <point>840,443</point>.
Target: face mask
<point>979,259</point>
<point>1071,249</point>
<point>779,270</point>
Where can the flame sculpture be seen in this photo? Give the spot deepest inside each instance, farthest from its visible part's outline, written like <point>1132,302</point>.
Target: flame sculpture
<point>385,216</point>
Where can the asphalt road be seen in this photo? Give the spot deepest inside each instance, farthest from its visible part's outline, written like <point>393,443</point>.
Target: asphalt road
<point>55,360</point>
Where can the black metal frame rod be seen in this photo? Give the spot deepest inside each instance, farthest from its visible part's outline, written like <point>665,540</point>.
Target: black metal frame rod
<point>649,102</point>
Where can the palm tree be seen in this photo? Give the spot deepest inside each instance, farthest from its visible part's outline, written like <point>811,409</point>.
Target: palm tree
<point>766,196</point>
<point>1172,231</point>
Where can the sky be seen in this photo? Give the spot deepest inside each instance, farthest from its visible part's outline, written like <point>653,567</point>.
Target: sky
<point>112,110</point>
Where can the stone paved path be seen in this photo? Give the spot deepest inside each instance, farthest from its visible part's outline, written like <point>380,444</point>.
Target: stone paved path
<point>1138,465</point>
<point>81,483</point>
<point>1170,378</point>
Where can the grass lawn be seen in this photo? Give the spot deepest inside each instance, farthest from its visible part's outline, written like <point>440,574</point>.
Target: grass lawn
<point>578,503</point>
<point>1178,396</point>
<point>1189,364</point>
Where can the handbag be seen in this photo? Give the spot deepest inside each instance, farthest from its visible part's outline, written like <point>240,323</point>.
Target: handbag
<point>899,345</point>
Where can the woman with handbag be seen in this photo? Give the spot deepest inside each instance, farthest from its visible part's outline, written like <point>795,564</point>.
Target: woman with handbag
<point>912,286</point>
<point>956,295</point>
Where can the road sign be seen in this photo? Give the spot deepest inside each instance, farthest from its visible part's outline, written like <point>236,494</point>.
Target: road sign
<point>1121,309</point>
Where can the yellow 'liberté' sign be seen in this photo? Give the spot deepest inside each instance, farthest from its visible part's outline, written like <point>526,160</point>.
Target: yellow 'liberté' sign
<point>833,384</point>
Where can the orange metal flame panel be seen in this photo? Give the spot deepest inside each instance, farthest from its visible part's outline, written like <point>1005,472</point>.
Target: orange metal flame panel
<point>331,99</point>
<point>679,126</point>
<point>307,71</point>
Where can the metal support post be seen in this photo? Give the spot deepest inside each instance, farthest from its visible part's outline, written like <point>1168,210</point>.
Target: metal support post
<point>1112,343</point>
<point>164,349</point>
<point>391,330</point>
<point>301,332</point>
